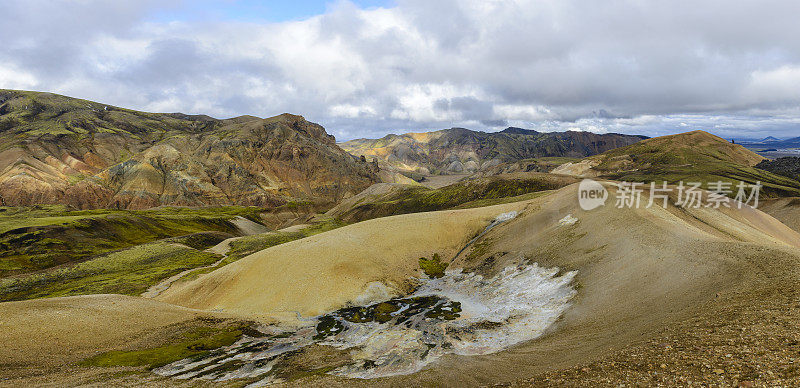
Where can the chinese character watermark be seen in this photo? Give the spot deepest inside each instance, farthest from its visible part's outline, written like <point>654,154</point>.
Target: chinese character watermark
<point>688,195</point>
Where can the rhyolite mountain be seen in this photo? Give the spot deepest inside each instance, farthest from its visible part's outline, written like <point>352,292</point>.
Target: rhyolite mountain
<point>459,150</point>
<point>61,150</point>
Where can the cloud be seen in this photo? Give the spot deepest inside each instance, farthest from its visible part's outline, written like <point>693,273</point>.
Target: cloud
<point>649,67</point>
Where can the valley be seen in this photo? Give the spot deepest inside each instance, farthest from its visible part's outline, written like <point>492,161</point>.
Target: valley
<point>320,268</point>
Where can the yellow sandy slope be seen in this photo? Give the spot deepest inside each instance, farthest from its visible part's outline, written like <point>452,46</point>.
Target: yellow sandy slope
<point>324,272</point>
<point>46,332</point>
<point>639,270</point>
<point>787,210</point>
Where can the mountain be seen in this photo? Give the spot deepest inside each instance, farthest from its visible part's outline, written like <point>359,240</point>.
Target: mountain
<point>61,150</point>
<point>460,150</point>
<point>773,142</point>
<point>696,156</point>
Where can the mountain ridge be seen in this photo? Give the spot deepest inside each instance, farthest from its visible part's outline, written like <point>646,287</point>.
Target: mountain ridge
<point>461,150</point>
<point>61,150</point>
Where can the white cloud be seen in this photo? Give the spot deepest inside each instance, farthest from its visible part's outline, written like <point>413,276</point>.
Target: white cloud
<point>423,65</point>
<point>777,85</point>
<point>351,111</point>
<point>13,78</point>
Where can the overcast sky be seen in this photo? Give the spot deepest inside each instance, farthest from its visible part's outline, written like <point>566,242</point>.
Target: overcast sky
<point>371,67</point>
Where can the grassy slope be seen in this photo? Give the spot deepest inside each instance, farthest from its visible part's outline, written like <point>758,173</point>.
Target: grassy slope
<point>128,261</point>
<point>691,157</point>
<point>193,343</point>
<point>45,114</point>
<point>42,237</point>
<point>129,272</point>
<point>471,193</point>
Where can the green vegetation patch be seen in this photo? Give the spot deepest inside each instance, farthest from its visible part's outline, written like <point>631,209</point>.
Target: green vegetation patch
<point>500,201</point>
<point>41,237</point>
<point>471,193</point>
<point>773,185</point>
<point>196,343</point>
<point>202,240</point>
<point>433,267</point>
<point>131,272</point>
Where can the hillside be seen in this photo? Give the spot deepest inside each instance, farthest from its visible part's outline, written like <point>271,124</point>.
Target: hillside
<point>459,150</point>
<point>383,199</point>
<point>671,267</point>
<point>60,150</point>
<point>787,166</point>
<point>646,296</point>
<point>696,156</point>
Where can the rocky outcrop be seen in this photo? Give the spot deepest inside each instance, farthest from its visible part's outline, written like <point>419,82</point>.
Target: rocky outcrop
<point>55,149</point>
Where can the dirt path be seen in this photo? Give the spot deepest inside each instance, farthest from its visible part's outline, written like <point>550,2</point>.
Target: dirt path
<point>248,227</point>
<point>157,289</point>
<point>220,249</point>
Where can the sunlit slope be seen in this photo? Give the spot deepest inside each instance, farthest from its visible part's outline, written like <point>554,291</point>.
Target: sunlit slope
<point>324,272</point>
<point>47,332</point>
<point>638,270</point>
<point>787,210</point>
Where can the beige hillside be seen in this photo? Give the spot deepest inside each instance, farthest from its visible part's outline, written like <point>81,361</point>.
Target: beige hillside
<point>638,270</point>
<point>324,272</point>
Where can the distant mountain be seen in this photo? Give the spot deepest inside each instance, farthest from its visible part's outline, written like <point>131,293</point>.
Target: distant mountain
<point>56,149</point>
<point>773,142</point>
<point>696,156</point>
<point>460,150</point>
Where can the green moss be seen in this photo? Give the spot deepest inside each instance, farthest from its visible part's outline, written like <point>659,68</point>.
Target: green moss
<point>328,326</point>
<point>202,240</point>
<point>500,201</point>
<point>27,234</point>
<point>476,193</point>
<point>131,271</point>
<point>433,267</point>
<point>196,343</point>
<point>479,249</point>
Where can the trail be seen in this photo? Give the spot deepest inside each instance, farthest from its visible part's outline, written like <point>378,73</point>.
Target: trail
<point>220,249</point>
<point>157,289</point>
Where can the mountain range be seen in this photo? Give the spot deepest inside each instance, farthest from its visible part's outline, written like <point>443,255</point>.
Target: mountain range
<point>56,149</point>
<point>773,142</point>
<point>460,150</point>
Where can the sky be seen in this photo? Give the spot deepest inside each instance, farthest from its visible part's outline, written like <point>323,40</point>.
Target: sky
<point>371,67</point>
